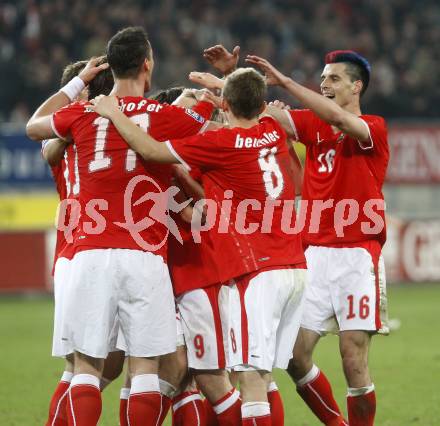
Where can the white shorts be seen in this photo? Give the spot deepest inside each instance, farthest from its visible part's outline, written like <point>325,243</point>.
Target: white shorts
<point>60,348</point>
<point>119,288</point>
<point>251,323</point>
<point>346,291</point>
<point>200,311</point>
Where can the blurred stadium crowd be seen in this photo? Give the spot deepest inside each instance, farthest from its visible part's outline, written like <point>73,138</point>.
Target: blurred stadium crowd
<point>39,37</point>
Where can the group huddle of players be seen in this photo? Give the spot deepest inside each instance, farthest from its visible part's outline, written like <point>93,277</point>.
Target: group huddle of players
<point>180,250</point>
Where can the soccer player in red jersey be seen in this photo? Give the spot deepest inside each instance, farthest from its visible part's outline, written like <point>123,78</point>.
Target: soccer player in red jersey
<point>346,162</point>
<point>63,161</point>
<point>119,270</point>
<point>251,321</point>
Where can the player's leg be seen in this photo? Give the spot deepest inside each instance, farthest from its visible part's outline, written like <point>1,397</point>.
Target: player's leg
<point>223,397</point>
<point>361,398</point>
<point>311,383</point>
<point>361,306</point>
<point>123,400</point>
<point>275,401</point>
<point>188,406</point>
<point>58,403</point>
<point>84,398</point>
<point>173,370</point>
<point>144,403</point>
<point>317,319</point>
<point>203,312</point>
<point>113,365</point>
<point>57,408</point>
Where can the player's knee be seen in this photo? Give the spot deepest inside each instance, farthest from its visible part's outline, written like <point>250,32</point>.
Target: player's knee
<point>173,368</point>
<point>300,363</point>
<point>85,364</point>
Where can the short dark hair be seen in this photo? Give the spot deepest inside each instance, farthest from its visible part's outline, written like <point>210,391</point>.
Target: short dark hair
<point>127,50</point>
<point>71,71</point>
<point>245,91</point>
<point>103,82</point>
<point>356,66</point>
<point>168,96</point>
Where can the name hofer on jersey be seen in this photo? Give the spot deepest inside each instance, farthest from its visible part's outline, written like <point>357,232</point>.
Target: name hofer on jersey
<point>135,106</point>
<point>267,139</point>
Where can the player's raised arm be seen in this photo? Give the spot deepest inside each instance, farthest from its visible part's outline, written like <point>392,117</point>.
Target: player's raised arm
<point>145,145</point>
<point>221,59</point>
<point>326,109</point>
<point>39,126</point>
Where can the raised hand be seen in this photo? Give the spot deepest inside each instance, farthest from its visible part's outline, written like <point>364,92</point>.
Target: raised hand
<point>105,105</point>
<point>273,76</point>
<point>221,59</point>
<point>206,79</point>
<point>91,70</point>
<point>208,96</point>
<point>279,104</point>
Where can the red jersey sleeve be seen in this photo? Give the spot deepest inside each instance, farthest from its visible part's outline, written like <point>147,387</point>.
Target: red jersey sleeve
<point>300,121</point>
<point>181,122</point>
<point>203,108</point>
<point>377,130</point>
<point>198,151</point>
<point>64,118</point>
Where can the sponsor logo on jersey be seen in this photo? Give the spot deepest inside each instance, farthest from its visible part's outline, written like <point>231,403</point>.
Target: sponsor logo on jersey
<point>195,115</point>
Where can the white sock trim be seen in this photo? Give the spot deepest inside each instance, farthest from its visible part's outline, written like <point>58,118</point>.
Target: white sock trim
<point>272,387</point>
<point>84,379</point>
<point>186,400</point>
<point>66,377</point>
<point>311,375</point>
<point>360,391</point>
<point>125,393</point>
<point>227,403</point>
<point>166,388</point>
<point>144,383</point>
<point>255,409</point>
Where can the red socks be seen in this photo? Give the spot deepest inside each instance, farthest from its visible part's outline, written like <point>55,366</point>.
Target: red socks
<point>84,401</point>
<point>58,403</point>
<point>315,390</point>
<point>361,404</point>
<point>276,405</point>
<point>144,403</point>
<point>123,406</point>
<point>228,409</point>
<point>211,417</point>
<point>188,409</point>
<point>256,414</point>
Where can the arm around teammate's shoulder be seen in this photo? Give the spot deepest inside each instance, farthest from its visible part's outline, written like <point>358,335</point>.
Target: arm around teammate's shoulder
<point>142,143</point>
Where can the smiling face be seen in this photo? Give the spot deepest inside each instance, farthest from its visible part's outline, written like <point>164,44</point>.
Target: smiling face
<point>337,84</point>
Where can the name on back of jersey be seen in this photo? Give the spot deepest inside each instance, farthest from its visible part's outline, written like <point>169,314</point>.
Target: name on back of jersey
<point>248,142</point>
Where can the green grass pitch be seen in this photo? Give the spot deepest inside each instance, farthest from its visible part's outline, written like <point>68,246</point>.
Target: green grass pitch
<point>405,366</point>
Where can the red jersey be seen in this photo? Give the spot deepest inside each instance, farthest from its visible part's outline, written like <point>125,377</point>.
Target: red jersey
<point>191,264</point>
<point>247,178</point>
<point>343,178</point>
<point>65,176</point>
<point>123,199</point>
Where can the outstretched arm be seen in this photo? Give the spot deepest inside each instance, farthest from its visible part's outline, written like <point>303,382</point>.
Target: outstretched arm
<point>146,146</point>
<point>326,109</point>
<point>39,126</point>
<point>223,61</point>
